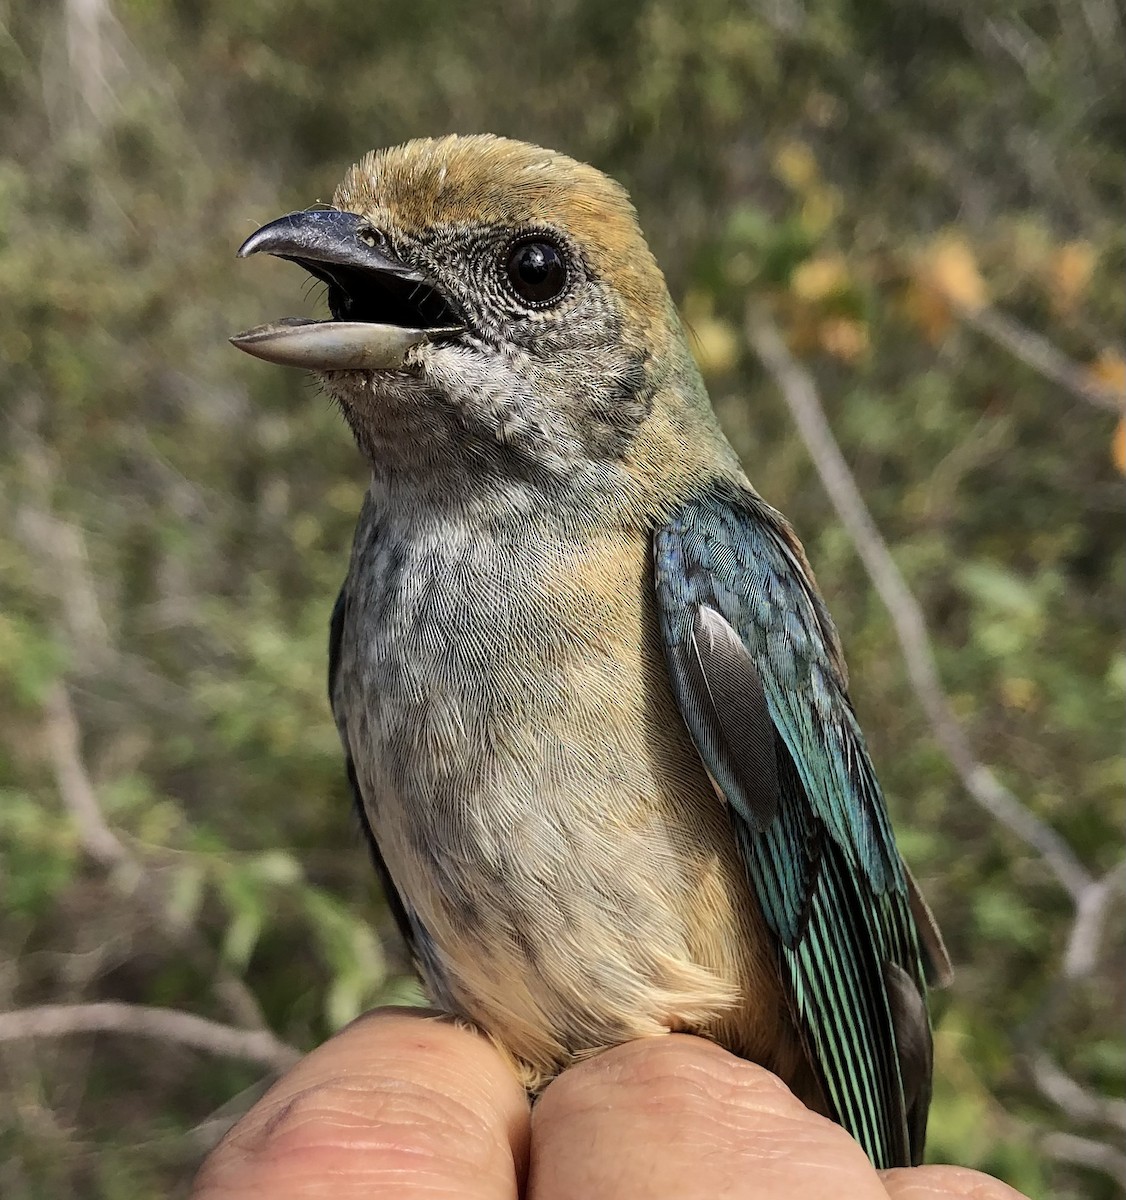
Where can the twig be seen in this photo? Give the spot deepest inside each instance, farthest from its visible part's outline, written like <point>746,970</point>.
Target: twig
<point>75,788</point>
<point>1086,1152</point>
<point>90,28</point>
<point>165,1024</point>
<point>61,547</point>
<point>1080,1104</point>
<point>104,846</point>
<point>1082,951</point>
<point>62,551</point>
<point>799,392</point>
<point>1037,353</point>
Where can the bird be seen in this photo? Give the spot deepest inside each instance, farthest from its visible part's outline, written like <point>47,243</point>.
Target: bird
<point>594,711</point>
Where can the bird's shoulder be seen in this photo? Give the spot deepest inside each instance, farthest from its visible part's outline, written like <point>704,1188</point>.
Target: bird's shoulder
<point>726,545</point>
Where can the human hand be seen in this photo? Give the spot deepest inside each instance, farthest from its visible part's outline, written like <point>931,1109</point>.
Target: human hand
<point>413,1107</point>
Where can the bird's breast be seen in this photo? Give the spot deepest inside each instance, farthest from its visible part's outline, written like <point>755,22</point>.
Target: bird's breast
<point>533,788</point>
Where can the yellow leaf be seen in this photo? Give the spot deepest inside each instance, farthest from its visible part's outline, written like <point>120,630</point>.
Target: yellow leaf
<point>844,338</point>
<point>795,165</point>
<point>817,278</point>
<point>1118,446</point>
<point>951,269</point>
<point>714,344</point>
<point>1108,371</point>
<point>1069,272</point>
<point>820,208</point>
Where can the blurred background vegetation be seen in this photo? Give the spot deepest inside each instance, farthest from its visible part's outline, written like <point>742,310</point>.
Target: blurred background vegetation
<point>925,198</point>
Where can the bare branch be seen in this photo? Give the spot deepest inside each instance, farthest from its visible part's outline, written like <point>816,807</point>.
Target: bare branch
<point>1037,353</point>
<point>104,846</point>
<point>61,549</point>
<point>1073,1098</point>
<point>75,788</point>
<point>800,393</point>
<point>1082,951</point>
<point>1086,1152</point>
<point>90,30</point>
<point>165,1024</point>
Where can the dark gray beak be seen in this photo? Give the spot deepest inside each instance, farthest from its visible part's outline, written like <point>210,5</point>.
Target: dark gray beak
<point>381,306</point>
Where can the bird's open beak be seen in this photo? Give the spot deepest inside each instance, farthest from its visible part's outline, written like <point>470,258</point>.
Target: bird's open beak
<point>381,307</point>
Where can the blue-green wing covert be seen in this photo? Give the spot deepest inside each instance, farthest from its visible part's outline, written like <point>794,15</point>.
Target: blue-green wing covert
<point>757,672</point>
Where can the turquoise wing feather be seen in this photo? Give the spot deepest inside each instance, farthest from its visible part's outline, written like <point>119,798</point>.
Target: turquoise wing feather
<point>757,671</point>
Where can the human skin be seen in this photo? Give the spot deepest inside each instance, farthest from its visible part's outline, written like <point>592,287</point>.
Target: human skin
<point>411,1106</point>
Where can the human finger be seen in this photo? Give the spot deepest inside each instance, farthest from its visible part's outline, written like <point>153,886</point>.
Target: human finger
<point>398,1105</point>
<point>945,1183</point>
<point>679,1117</point>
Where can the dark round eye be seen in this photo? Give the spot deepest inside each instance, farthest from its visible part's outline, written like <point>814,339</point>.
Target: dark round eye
<point>537,271</point>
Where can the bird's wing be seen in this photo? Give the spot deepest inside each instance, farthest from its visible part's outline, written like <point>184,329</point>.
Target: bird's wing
<point>394,900</point>
<point>758,674</point>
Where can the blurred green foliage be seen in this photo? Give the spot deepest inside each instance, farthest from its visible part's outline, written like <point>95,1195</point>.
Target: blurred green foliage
<point>177,517</point>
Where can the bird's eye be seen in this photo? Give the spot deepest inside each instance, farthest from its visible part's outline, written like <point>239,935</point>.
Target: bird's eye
<point>537,271</point>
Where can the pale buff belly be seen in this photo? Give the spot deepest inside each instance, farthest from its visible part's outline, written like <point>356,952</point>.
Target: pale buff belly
<point>573,876</point>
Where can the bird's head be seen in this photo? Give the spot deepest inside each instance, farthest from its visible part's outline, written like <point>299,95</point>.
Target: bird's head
<point>494,305</point>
